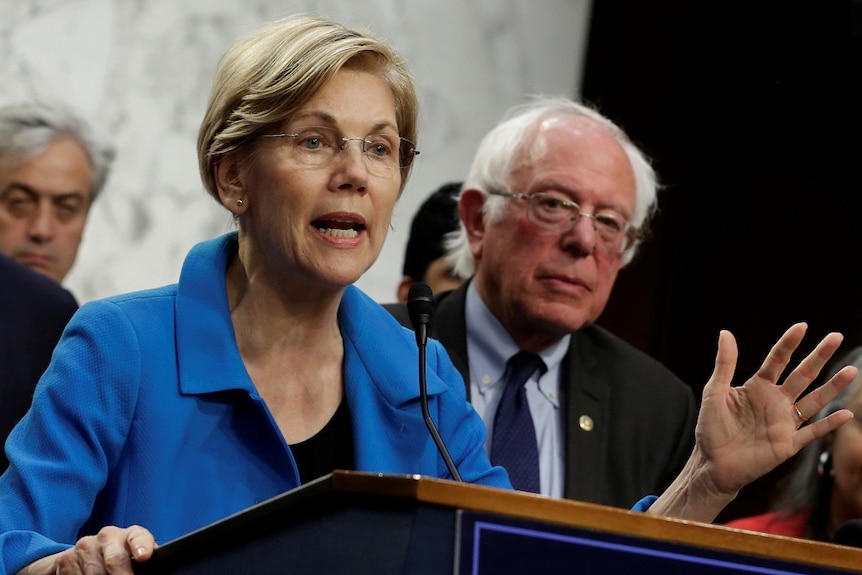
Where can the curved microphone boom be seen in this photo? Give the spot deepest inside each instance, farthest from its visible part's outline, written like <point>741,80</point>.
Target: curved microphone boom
<point>420,306</point>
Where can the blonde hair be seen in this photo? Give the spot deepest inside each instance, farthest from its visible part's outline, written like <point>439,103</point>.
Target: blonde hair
<point>264,78</point>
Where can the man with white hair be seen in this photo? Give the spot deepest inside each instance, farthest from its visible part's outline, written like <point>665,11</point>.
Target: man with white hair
<point>553,207</point>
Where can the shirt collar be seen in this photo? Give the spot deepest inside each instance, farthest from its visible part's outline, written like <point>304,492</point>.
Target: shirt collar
<point>489,345</point>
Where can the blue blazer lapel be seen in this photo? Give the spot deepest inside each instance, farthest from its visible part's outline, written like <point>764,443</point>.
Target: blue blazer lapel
<point>209,360</point>
<point>382,389</point>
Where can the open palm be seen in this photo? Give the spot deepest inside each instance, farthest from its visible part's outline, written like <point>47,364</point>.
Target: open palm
<point>746,431</point>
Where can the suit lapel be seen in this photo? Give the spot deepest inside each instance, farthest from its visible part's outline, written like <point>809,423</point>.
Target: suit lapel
<point>585,400</point>
<point>449,326</point>
<point>585,393</point>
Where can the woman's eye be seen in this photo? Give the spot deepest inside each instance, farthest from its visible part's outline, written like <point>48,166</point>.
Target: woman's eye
<point>312,142</point>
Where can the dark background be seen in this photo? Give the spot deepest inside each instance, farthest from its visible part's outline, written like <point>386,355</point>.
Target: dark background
<point>751,112</point>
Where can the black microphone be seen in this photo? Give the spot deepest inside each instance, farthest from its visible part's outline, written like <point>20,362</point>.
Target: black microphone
<point>420,306</point>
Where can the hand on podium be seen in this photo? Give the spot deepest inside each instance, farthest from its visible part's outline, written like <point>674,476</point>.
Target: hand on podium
<point>112,550</point>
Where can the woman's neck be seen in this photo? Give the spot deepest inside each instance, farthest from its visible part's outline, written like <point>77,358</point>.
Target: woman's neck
<point>291,345</point>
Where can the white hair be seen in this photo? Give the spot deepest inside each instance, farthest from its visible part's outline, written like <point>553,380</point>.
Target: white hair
<point>493,164</point>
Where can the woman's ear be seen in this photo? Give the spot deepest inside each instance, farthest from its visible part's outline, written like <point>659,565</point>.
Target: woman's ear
<point>230,185</point>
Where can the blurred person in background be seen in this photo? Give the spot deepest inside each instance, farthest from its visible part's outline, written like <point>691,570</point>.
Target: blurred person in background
<point>52,169</point>
<point>34,309</point>
<point>425,255</point>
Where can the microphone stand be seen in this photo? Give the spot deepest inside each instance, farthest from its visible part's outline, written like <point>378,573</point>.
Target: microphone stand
<point>420,306</point>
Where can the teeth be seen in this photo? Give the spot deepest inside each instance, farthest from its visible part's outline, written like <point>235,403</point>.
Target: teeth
<point>336,233</point>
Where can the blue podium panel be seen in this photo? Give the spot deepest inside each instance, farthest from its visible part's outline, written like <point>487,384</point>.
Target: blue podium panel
<point>497,545</point>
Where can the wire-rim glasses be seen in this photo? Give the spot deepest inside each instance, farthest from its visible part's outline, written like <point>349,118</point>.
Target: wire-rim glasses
<point>557,213</point>
<point>319,145</point>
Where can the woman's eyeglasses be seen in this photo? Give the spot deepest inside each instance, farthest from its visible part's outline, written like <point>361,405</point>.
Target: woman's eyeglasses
<point>316,146</point>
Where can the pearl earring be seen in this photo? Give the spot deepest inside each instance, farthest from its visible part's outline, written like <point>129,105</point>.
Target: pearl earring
<point>239,202</point>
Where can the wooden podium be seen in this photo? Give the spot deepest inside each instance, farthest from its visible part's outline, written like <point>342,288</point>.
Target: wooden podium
<point>361,523</point>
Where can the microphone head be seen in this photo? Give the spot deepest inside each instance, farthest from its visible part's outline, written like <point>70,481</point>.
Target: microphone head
<point>420,304</point>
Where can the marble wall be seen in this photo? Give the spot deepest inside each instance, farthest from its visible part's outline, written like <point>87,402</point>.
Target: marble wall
<point>141,70</point>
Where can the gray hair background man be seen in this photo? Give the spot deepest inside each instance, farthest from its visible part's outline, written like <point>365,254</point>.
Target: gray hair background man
<point>53,166</point>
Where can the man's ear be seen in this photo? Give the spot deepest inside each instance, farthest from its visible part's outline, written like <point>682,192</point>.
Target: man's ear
<point>470,207</point>
<point>229,184</point>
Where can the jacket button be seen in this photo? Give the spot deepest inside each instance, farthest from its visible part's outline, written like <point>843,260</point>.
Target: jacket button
<point>586,423</point>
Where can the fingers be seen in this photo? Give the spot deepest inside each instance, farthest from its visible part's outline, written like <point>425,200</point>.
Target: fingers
<point>810,367</point>
<point>725,360</point>
<point>818,398</point>
<point>111,551</point>
<point>779,356</point>
<point>114,549</point>
<point>821,427</point>
<point>140,543</point>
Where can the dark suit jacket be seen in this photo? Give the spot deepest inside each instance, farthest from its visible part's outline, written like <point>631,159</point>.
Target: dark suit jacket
<point>643,415</point>
<point>34,309</point>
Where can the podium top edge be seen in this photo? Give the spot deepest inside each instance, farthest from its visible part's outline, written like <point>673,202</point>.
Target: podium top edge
<point>530,506</point>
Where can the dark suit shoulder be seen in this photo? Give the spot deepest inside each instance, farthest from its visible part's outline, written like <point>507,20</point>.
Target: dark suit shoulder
<point>27,293</point>
<point>643,418</point>
<point>34,310</point>
<point>597,348</point>
<point>399,312</point>
<point>447,325</point>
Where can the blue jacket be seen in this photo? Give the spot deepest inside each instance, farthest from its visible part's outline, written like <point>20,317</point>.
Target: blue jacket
<point>147,416</point>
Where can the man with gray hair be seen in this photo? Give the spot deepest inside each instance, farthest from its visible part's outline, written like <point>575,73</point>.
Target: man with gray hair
<point>554,205</point>
<point>52,168</point>
<point>34,310</point>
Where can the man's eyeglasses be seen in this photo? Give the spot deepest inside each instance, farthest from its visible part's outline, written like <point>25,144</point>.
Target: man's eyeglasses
<point>318,145</point>
<point>557,213</point>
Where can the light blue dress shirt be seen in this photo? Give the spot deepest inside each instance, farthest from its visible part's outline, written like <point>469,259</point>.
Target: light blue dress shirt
<point>489,347</point>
